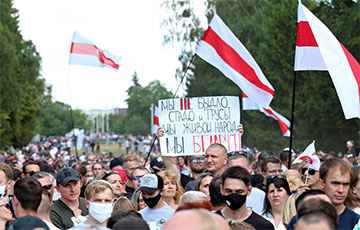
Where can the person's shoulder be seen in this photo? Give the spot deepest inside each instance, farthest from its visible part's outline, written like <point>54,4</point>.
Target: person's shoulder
<point>259,222</point>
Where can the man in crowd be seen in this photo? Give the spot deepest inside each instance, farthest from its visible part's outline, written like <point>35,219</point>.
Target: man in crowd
<point>136,176</point>
<point>46,180</point>
<point>310,177</point>
<point>43,210</point>
<point>235,188</point>
<point>197,167</point>
<point>156,165</point>
<point>30,168</point>
<point>271,166</point>
<point>6,176</point>
<point>335,175</point>
<point>27,197</point>
<point>216,159</point>
<point>157,211</point>
<point>255,201</point>
<point>70,208</point>
<point>99,201</point>
<point>131,162</point>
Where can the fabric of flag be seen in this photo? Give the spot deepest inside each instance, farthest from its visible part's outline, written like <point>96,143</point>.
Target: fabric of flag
<point>222,49</point>
<point>309,155</point>
<point>85,52</point>
<point>284,123</point>
<point>318,49</point>
<point>156,123</point>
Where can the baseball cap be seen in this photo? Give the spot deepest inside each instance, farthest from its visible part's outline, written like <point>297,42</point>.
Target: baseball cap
<point>65,175</point>
<point>157,161</point>
<point>31,222</point>
<point>115,162</point>
<point>150,183</point>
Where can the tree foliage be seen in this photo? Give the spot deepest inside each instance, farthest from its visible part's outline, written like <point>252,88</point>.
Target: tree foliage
<point>268,30</point>
<point>21,86</point>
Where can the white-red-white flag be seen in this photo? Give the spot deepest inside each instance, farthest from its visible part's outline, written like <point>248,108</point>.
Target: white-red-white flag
<point>85,52</point>
<point>284,123</point>
<point>222,49</point>
<point>156,123</point>
<point>310,156</point>
<point>318,49</point>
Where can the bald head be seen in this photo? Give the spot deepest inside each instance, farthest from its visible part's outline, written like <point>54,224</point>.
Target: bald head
<point>196,219</point>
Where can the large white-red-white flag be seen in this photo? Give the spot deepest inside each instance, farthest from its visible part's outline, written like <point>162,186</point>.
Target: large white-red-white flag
<point>318,49</point>
<point>310,156</point>
<point>156,123</point>
<point>85,52</point>
<point>222,49</point>
<point>284,123</point>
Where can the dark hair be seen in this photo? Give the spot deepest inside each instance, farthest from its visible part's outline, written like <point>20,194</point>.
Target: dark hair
<point>119,214</point>
<point>45,167</point>
<point>279,182</point>
<point>138,168</point>
<point>82,170</point>
<point>29,163</point>
<point>333,163</point>
<point>198,180</point>
<point>315,210</point>
<point>27,191</point>
<point>302,196</point>
<point>216,198</point>
<point>236,172</point>
<point>284,155</point>
<point>131,223</point>
<point>271,159</point>
<point>16,174</point>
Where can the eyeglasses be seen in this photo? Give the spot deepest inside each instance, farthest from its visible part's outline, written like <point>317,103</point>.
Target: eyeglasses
<point>137,177</point>
<point>47,187</point>
<point>6,205</point>
<point>198,159</point>
<point>242,153</point>
<point>311,171</point>
<point>280,176</point>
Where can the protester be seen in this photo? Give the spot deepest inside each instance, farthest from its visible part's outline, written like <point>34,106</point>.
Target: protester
<point>31,222</point>
<point>270,166</point>
<point>156,165</point>
<point>216,159</point>
<point>353,198</point>
<point>235,188</point>
<point>157,211</point>
<point>138,200</point>
<point>131,223</point>
<point>5,213</point>
<point>30,168</point>
<point>46,180</point>
<point>202,183</point>
<point>115,181</point>
<point>70,208</point>
<point>97,169</point>
<point>197,167</point>
<point>6,180</point>
<point>99,201</point>
<point>43,210</point>
<point>277,191</point>
<point>216,198</point>
<point>123,203</point>
<point>119,214</point>
<point>192,196</point>
<point>172,189</point>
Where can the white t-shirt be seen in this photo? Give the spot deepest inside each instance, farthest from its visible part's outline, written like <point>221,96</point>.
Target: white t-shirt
<point>255,201</point>
<point>157,216</point>
<point>269,218</point>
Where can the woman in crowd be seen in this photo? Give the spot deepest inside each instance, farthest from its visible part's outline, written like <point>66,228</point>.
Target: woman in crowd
<point>172,188</point>
<point>138,200</point>
<point>117,184</point>
<point>202,183</point>
<point>123,203</point>
<point>289,208</point>
<point>353,198</point>
<point>277,191</point>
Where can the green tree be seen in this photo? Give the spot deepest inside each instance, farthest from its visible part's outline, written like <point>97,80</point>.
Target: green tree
<point>21,86</point>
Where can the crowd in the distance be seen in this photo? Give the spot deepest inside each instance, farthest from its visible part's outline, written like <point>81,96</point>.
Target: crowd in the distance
<point>45,187</point>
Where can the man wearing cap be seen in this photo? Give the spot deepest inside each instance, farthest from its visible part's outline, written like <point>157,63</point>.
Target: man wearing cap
<point>157,211</point>
<point>156,165</point>
<point>70,208</point>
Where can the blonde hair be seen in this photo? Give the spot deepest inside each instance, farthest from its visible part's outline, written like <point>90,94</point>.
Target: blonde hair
<point>131,158</point>
<point>123,203</point>
<point>173,177</point>
<point>135,199</point>
<point>294,182</point>
<point>96,187</point>
<point>289,208</point>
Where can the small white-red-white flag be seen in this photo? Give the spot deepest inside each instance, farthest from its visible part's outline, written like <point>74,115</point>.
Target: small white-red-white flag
<point>85,52</point>
<point>156,123</point>
<point>284,123</point>
<point>310,156</point>
<point>222,49</point>
<point>318,49</point>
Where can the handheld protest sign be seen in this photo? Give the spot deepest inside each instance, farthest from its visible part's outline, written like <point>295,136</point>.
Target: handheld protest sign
<point>191,124</point>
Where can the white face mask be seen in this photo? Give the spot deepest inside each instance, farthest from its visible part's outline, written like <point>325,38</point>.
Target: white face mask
<point>2,190</point>
<point>100,212</point>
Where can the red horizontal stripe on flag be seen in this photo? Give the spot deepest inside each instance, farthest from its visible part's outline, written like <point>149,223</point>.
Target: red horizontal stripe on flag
<point>233,59</point>
<point>83,48</point>
<point>305,36</point>
<point>354,65</point>
<point>284,128</point>
<point>156,121</point>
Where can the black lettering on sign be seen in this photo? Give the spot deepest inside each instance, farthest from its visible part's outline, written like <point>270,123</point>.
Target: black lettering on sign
<point>178,145</point>
<point>212,103</point>
<point>196,127</point>
<point>169,129</point>
<point>167,105</point>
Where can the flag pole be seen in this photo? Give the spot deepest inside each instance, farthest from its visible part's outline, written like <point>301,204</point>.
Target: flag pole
<point>183,76</point>
<point>292,120</point>
<point>71,116</point>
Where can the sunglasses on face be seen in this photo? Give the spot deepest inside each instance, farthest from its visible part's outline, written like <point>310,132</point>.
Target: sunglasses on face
<point>137,177</point>
<point>198,159</point>
<point>47,187</point>
<point>280,176</point>
<point>31,173</point>
<point>242,153</point>
<point>311,171</point>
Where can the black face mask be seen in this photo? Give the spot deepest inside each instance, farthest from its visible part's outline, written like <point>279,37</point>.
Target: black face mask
<point>152,202</point>
<point>235,201</point>
<point>156,170</point>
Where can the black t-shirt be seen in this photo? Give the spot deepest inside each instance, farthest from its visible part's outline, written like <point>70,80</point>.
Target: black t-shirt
<point>348,219</point>
<point>257,221</point>
<point>184,180</point>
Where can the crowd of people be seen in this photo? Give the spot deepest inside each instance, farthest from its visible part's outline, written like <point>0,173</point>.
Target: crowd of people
<point>44,186</point>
